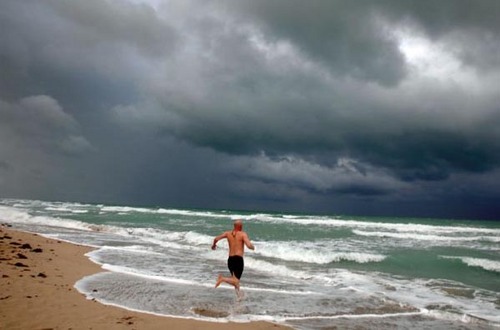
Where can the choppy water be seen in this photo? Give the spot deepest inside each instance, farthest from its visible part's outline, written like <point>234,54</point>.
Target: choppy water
<point>307,271</point>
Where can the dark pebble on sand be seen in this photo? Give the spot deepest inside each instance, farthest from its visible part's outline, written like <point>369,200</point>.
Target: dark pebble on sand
<point>26,246</point>
<point>20,264</point>
<point>14,243</point>
<point>42,275</point>
<point>21,256</point>
<point>37,250</point>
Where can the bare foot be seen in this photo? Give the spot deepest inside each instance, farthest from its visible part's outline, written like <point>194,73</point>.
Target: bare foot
<point>237,286</point>
<point>239,295</point>
<point>219,281</point>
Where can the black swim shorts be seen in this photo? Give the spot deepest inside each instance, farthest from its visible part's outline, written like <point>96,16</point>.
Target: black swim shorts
<point>235,265</point>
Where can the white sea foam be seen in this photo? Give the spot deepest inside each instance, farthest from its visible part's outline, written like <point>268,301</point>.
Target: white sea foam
<point>139,249</point>
<point>314,253</point>
<point>285,272</point>
<point>79,211</point>
<point>20,203</point>
<point>150,276</point>
<point>204,214</point>
<point>129,209</point>
<point>67,208</point>
<point>181,240</point>
<point>483,263</point>
<point>487,264</point>
<point>276,269</point>
<point>397,227</point>
<point>156,236</point>
<point>353,316</point>
<point>422,293</point>
<point>329,221</point>
<point>125,209</point>
<point>60,209</point>
<point>82,287</point>
<point>20,216</point>
<point>428,237</point>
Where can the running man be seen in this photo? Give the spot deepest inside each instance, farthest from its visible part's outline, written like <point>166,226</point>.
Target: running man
<point>237,240</point>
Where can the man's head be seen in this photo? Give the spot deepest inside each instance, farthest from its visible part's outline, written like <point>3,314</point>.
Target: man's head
<point>238,225</point>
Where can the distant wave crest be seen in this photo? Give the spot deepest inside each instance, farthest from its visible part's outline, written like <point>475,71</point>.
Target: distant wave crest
<point>426,237</point>
<point>487,264</point>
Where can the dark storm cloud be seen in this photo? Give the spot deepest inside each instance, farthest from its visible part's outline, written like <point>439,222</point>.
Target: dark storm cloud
<point>4,166</point>
<point>39,122</point>
<point>285,104</point>
<point>78,50</point>
<point>471,28</point>
<point>347,36</point>
<point>352,36</point>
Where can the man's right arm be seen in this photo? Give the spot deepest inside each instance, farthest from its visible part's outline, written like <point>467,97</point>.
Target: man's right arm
<point>218,238</point>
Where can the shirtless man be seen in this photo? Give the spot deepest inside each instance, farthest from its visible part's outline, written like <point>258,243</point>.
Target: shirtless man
<point>237,240</point>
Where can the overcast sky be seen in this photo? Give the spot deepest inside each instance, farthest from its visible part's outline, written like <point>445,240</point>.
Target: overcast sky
<point>345,107</point>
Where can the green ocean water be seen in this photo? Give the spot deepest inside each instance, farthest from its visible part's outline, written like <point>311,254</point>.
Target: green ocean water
<point>436,273</point>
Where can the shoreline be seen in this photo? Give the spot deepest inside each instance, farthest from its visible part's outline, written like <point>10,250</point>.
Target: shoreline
<point>37,291</point>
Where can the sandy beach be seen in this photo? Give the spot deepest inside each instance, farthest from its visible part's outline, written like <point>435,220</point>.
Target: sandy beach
<point>37,276</point>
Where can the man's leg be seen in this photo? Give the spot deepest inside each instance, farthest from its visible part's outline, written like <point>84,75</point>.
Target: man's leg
<point>229,280</point>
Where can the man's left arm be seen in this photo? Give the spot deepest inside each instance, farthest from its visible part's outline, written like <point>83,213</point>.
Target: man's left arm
<point>247,242</point>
